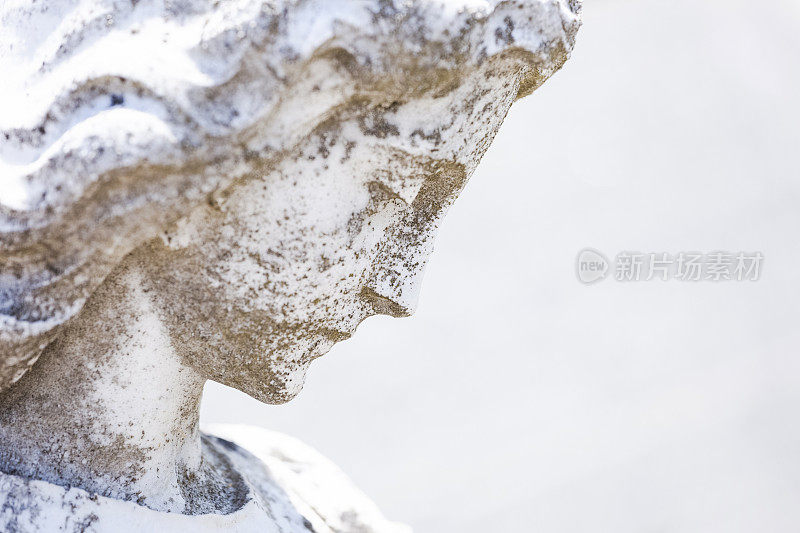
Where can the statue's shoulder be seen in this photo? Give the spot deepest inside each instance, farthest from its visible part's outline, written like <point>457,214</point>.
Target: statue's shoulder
<point>291,489</point>
<point>316,487</point>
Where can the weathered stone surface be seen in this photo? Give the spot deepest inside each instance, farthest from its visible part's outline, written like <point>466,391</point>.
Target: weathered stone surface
<point>288,488</point>
<point>221,190</point>
<point>118,118</point>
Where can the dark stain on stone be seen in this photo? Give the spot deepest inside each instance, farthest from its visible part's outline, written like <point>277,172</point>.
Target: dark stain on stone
<point>505,34</point>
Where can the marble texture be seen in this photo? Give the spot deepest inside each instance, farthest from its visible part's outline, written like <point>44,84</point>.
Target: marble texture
<point>222,190</point>
<point>117,118</point>
<point>289,487</point>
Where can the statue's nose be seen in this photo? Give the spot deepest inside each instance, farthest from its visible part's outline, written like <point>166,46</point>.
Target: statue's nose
<point>394,285</point>
<point>383,305</point>
<point>399,264</point>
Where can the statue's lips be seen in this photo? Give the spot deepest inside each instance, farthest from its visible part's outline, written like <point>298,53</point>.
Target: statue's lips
<point>328,337</point>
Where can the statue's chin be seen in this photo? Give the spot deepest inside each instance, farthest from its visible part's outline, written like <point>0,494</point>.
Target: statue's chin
<point>274,391</point>
<point>271,396</point>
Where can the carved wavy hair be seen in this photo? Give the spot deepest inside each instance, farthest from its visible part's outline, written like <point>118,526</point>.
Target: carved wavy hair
<point>118,116</point>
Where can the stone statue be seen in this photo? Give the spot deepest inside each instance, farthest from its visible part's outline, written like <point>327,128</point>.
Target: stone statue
<point>222,189</point>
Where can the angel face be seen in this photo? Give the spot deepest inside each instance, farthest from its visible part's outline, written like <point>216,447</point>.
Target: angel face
<point>101,154</point>
<point>275,271</point>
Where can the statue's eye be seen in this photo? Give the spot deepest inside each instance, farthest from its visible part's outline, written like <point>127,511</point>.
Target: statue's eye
<point>403,185</point>
<point>380,193</point>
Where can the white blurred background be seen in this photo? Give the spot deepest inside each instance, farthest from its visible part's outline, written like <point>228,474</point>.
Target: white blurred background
<point>518,399</point>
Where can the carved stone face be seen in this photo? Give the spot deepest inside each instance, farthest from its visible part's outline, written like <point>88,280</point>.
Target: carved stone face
<point>275,271</point>
<point>327,142</point>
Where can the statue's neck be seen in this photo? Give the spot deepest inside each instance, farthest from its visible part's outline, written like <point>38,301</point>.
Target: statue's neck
<point>109,407</point>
